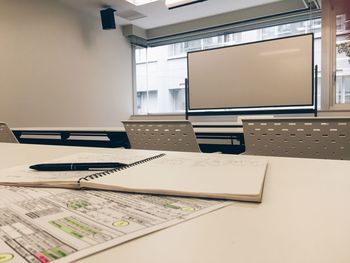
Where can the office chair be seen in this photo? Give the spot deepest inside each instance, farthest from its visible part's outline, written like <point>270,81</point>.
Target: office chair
<point>169,135</point>
<point>322,138</point>
<point>6,134</point>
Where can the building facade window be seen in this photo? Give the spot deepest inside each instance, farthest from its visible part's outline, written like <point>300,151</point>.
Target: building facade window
<point>336,55</point>
<point>165,70</point>
<point>146,101</point>
<point>342,87</point>
<point>178,99</point>
<point>176,50</point>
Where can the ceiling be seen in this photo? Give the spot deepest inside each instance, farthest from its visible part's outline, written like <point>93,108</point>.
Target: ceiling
<point>156,14</point>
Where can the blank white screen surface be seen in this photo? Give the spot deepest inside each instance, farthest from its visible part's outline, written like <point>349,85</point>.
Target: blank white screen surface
<point>261,74</point>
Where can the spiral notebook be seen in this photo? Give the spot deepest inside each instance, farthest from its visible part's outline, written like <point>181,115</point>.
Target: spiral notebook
<point>174,173</point>
<point>23,176</point>
<point>192,174</point>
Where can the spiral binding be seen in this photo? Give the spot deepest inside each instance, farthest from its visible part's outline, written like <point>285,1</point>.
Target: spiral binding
<point>104,173</point>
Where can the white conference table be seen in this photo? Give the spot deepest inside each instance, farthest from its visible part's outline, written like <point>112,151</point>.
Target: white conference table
<point>304,217</point>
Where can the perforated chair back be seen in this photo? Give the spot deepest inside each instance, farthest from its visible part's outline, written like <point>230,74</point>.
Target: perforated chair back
<point>324,138</point>
<point>6,134</point>
<point>161,135</point>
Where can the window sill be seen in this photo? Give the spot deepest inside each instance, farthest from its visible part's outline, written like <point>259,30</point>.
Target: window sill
<point>146,62</point>
<point>175,115</point>
<point>338,113</point>
<point>337,108</point>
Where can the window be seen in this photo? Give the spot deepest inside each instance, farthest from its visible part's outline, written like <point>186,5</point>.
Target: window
<point>177,99</point>
<point>193,45</point>
<point>141,55</point>
<point>146,101</point>
<point>342,87</point>
<point>160,79</point>
<point>336,55</point>
<point>176,50</point>
<point>213,42</point>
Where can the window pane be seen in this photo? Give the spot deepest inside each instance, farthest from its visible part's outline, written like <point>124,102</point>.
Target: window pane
<point>178,99</point>
<point>342,90</point>
<point>161,71</point>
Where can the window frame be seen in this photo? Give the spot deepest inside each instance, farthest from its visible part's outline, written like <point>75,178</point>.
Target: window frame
<point>329,63</point>
<point>235,28</point>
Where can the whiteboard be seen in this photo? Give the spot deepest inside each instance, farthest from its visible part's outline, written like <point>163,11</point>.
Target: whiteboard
<point>269,73</point>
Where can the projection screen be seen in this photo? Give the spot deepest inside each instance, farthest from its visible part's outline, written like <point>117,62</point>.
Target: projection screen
<point>272,73</point>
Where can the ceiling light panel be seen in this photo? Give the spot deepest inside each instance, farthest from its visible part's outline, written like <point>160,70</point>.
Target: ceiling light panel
<point>140,2</point>
<point>178,3</point>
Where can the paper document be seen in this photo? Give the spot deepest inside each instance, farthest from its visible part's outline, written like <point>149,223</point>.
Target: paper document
<point>60,225</point>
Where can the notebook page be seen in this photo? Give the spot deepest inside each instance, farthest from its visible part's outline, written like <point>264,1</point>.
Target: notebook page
<point>24,176</point>
<point>198,174</point>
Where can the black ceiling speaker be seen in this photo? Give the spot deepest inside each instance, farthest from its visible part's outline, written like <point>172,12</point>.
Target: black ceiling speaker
<point>107,18</point>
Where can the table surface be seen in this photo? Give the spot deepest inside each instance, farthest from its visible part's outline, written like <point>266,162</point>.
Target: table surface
<point>304,217</point>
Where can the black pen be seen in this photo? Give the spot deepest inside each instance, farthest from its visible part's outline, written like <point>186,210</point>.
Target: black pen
<point>76,166</point>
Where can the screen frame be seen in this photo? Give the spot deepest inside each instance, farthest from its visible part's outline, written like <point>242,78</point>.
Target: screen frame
<point>249,110</point>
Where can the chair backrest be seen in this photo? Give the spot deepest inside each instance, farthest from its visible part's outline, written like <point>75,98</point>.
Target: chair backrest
<point>6,134</point>
<point>325,138</point>
<point>169,135</point>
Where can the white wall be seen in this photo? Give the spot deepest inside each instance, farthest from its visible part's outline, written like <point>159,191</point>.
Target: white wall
<point>59,68</point>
